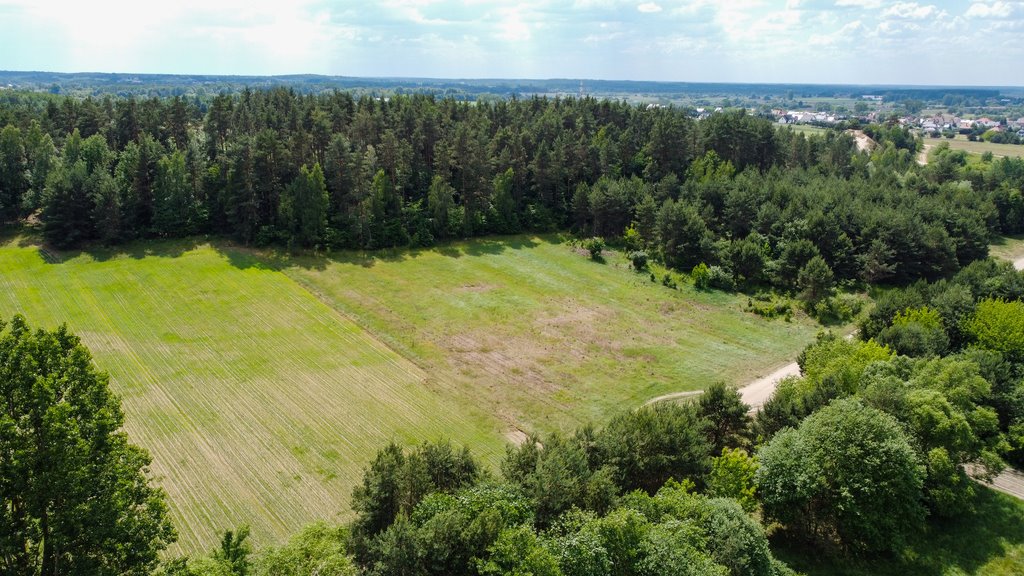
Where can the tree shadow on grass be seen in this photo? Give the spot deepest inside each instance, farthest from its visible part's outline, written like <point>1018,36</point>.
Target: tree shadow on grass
<point>267,258</point>
<point>963,544</point>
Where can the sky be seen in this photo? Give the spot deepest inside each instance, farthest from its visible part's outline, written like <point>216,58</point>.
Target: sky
<point>945,42</point>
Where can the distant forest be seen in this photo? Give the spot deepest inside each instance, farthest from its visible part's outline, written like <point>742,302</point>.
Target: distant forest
<point>732,191</point>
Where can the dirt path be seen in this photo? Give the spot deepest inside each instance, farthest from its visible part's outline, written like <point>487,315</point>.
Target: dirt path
<point>673,396</point>
<point>1019,264</point>
<point>922,157</point>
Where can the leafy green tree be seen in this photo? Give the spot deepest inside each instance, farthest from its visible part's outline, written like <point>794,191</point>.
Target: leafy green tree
<point>13,173</point>
<point>176,207</point>
<point>304,206</point>
<point>318,549</point>
<point>519,552</point>
<point>440,204</point>
<point>728,419</point>
<point>732,476</point>
<point>916,332</point>
<point>815,280</point>
<point>847,473</point>
<point>649,446</point>
<point>999,325</point>
<point>683,236</point>
<point>75,496</point>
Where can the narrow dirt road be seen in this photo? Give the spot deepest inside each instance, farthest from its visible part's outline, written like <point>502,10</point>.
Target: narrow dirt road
<point>922,157</point>
<point>759,391</point>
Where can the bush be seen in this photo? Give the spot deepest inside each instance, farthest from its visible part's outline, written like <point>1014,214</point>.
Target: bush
<point>766,306</point>
<point>720,278</point>
<point>639,260</point>
<point>701,276</point>
<point>838,309</point>
<point>595,246</point>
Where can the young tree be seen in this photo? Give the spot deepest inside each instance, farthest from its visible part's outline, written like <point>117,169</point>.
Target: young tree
<point>75,496</point>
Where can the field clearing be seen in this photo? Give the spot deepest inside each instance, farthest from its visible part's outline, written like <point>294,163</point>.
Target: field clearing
<point>262,385</point>
<point>543,337</point>
<point>962,143</point>
<point>259,404</point>
<point>1009,248</point>
<point>807,129</point>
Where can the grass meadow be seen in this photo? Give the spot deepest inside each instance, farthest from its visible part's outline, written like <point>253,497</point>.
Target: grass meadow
<point>259,404</point>
<point>1009,248</point>
<point>263,385</point>
<point>980,147</point>
<point>543,337</point>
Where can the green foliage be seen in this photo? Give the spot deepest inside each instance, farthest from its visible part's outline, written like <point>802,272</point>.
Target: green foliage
<point>317,549</point>
<point>999,325</point>
<point>815,280</point>
<point>234,552</point>
<point>732,476</point>
<point>75,496</point>
<point>638,260</point>
<point>594,246</point>
<point>701,276</point>
<point>519,552</point>
<point>916,332</point>
<point>837,309</point>
<point>396,482</point>
<point>769,306</point>
<point>647,447</point>
<point>848,474</point>
<point>304,206</point>
<point>727,417</point>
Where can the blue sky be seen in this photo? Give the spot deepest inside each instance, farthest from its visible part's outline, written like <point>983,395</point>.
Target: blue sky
<point>821,41</point>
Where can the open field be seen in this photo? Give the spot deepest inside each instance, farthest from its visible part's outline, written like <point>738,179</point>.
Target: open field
<point>259,404</point>
<point>263,385</point>
<point>807,129</point>
<point>543,337</point>
<point>962,143</point>
<point>987,542</point>
<point>1009,248</point>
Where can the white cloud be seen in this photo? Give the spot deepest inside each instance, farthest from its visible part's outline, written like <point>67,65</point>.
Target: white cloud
<point>869,4</point>
<point>994,10</point>
<point>649,8</point>
<point>910,11</point>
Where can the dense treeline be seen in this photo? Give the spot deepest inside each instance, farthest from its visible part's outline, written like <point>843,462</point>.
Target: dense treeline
<point>328,171</point>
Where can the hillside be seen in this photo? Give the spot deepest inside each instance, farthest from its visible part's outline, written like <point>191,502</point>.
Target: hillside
<point>263,385</point>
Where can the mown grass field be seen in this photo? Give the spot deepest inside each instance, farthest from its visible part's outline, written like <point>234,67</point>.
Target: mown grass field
<point>541,336</point>
<point>263,385</point>
<point>962,143</point>
<point>259,404</point>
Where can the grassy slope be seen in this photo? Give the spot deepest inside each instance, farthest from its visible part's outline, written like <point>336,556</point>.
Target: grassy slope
<point>259,404</point>
<point>544,337</point>
<point>1009,248</point>
<point>989,542</point>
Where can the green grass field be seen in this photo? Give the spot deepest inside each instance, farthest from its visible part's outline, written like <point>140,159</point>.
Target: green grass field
<point>260,404</point>
<point>962,143</point>
<point>1009,248</point>
<point>262,385</point>
<point>542,336</point>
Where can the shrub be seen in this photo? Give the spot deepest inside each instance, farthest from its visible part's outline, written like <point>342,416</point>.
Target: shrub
<point>639,260</point>
<point>701,276</point>
<point>595,246</point>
